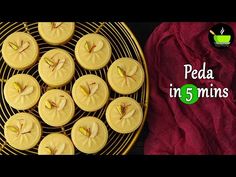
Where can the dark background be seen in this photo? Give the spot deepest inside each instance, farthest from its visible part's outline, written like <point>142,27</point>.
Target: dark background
<point>142,31</point>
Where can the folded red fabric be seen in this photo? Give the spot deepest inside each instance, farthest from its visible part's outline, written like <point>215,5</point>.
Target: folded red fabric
<point>206,127</point>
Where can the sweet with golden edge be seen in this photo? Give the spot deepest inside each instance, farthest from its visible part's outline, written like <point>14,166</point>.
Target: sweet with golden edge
<point>125,76</point>
<point>22,91</point>
<point>56,33</point>
<point>56,67</point>
<point>20,50</point>
<point>93,51</point>
<point>89,135</point>
<point>124,115</point>
<point>22,131</point>
<point>56,144</point>
<point>90,92</point>
<point>56,107</point>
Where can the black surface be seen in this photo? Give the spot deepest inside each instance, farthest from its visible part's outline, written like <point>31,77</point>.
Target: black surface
<point>142,31</point>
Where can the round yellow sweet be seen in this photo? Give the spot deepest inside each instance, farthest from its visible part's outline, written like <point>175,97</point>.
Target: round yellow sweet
<point>22,91</point>
<point>56,67</point>
<point>124,115</point>
<point>20,50</point>
<point>125,75</point>
<point>93,51</point>
<point>56,144</point>
<point>22,131</point>
<point>89,135</point>
<point>90,92</point>
<point>56,33</point>
<point>56,107</point>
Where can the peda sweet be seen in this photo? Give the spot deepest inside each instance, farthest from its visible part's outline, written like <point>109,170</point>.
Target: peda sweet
<point>89,135</point>
<point>125,75</point>
<point>93,51</point>
<point>124,115</point>
<point>20,50</point>
<point>56,67</point>
<point>56,107</point>
<point>90,92</point>
<point>56,144</point>
<point>56,33</point>
<point>22,131</point>
<point>22,91</point>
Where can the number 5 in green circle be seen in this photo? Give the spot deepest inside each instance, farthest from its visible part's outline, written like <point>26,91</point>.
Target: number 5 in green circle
<point>189,94</point>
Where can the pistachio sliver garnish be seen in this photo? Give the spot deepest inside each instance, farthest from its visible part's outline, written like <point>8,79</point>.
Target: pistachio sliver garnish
<point>132,71</point>
<point>60,64</point>
<point>27,90</point>
<point>119,109</point>
<point>53,104</point>
<point>48,104</point>
<point>13,46</point>
<point>122,109</point>
<point>61,104</point>
<point>27,127</point>
<point>93,88</point>
<point>84,131</point>
<point>129,114</point>
<point>86,46</point>
<point>49,150</point>
<point>24,46</point>
<point>48,61</point>
<point>56,24</point>
<point>13,129</point>
<point>92,48</point>
<point>17,87</point>
<point>60,149</point>
<point>84,90</point>
<point>120,71</point>
<point>20,123</point>
<point>98,47</point>
<point>94,130</point>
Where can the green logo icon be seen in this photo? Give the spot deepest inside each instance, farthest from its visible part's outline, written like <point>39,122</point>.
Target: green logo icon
<point>221,35</point>
<point>222,39</point>
<point>189,94</point>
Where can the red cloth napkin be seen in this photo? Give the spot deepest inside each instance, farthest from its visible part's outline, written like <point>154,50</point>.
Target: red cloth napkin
<point>206,127</point>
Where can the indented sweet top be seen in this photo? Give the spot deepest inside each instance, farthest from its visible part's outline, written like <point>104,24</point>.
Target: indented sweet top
<point>20,50</point>
<point>56,144</point>
<point>56,107</point>
<point>93,51</point>
<point>90,92</point>
<point>125,75</point>
<point>124,115</point>
<point>56,67</point>
<point>89,134</point>
<point>22,131</point>
<point>56,33</point>
<point>22,91</point>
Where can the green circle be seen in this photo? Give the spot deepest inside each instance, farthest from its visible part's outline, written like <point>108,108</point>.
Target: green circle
<point>189,94</point>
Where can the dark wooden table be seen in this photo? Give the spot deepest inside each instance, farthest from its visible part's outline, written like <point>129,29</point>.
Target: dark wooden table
<point>142,32</point>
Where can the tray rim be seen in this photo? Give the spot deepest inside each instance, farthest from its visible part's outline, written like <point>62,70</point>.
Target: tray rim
<point>134,139</point>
